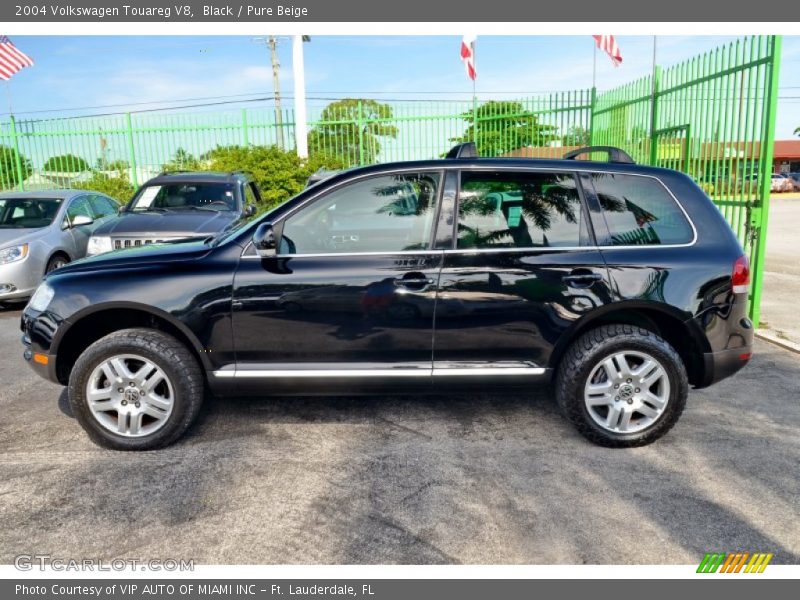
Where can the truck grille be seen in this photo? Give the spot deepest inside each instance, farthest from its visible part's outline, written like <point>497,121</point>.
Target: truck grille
<point>136,242</point>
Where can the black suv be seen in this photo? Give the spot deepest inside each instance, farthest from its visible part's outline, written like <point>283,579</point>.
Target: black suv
<point>621,284</point>
<point>178,206</point>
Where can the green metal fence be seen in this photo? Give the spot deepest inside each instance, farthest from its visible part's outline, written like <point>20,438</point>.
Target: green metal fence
<point>712,116</point>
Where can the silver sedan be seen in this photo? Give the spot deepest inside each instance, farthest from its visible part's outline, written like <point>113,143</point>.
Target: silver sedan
<point>41,231</point>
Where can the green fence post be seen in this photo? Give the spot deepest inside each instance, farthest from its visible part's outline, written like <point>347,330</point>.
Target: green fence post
<point>656,86</point>
<point>360,126</point>
<point>17,155</point>
<point>131,149</point>
<point>760,217</point>
<point>245,136</point>
<point>591,115</point>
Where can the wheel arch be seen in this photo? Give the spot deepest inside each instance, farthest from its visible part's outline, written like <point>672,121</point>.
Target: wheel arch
<point>682,333</point>
<point>56,252</point>
<point>94,322</point>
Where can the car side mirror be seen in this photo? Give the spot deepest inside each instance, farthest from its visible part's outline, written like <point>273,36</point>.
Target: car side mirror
<point>79,220</point>
<point>249,210</point>
<point>265,241</point>
<point>122,209</point>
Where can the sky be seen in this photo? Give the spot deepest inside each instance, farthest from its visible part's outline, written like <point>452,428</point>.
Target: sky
<point>79,75</point>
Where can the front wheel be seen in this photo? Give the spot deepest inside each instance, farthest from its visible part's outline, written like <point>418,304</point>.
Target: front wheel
<point>136,389</point>
<point>622,386</point>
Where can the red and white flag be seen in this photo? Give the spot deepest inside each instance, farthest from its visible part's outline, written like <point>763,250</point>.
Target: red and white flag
<point>608,44</point>
<point>11,60</point>
<point>468,55</point>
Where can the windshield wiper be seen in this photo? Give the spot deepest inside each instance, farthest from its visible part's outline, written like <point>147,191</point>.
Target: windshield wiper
<point>148,209</point>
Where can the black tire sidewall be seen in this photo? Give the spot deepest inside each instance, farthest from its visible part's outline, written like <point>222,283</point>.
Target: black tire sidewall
<point>104,349</point>
<point>572,390</point>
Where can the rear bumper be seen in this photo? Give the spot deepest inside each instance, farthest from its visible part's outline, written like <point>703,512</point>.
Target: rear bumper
<point>719,365</point>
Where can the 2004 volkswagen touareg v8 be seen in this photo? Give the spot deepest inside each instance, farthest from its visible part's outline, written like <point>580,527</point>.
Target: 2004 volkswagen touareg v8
<point>620,283</point>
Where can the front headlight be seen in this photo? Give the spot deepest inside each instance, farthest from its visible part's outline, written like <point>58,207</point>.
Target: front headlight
<point>98,244</point>
<point>41,297</point>
<point>13,254</point>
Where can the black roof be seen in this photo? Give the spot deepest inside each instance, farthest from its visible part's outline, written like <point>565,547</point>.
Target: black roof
<point>198,177</point>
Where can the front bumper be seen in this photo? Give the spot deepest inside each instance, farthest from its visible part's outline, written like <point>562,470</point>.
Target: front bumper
<point>18,280</point>
<point>37,332</point>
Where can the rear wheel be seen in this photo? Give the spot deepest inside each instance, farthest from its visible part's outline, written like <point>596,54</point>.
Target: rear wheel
<point>622,386</point>
<point>136,389</point>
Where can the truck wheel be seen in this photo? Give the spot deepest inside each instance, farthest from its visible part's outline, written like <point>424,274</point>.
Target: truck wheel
<point>621,386</point>
<point>136,389</point>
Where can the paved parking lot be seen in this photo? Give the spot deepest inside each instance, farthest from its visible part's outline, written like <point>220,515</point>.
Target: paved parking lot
<point>406,480</point>
<point>782,269</point>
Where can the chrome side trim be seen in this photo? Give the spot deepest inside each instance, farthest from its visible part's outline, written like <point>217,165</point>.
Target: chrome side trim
<point>339,373</point>
<point>447,372</point>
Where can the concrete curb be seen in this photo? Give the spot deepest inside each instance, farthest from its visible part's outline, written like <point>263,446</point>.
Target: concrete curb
<point>770,337</point>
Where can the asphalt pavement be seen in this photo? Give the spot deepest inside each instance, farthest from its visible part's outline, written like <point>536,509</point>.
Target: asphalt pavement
<point>415,480</point>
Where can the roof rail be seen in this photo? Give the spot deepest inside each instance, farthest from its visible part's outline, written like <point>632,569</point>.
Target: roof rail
<point>615,155</point>
<point>465,150</point>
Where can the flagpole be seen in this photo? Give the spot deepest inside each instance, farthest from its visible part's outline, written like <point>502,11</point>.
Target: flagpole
<point>8,93</point>
<point>474,95</point>
<point>594,64</point>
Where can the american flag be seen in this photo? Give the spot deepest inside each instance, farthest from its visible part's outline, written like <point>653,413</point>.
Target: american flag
<point>468,55</point>
<point>608,44</point>
<point>11,60</point>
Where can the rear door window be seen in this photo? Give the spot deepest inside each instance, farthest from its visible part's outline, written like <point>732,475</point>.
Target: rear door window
<point>640,211</point>
<point>517,209</point>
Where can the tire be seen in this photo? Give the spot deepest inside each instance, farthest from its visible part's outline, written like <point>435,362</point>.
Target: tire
<point>56,261</point>
<point>600,413</point>
<point>172,390</point>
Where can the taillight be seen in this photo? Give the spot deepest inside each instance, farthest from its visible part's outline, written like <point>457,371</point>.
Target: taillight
<point>740,280</point>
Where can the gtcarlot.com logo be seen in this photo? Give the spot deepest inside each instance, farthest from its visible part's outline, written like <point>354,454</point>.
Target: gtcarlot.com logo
<point>734,562</point>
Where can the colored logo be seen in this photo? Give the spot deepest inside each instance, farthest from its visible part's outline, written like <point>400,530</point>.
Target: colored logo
<point>734,562</point>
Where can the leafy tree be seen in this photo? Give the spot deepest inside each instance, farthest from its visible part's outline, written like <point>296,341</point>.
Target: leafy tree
<point>279,174</point>
<point>182,160</point>
<point>797,131</point>
<point>119,164</point>
<point>503,126</point>
<point>66,163</point>
<point>576,136</point>
<point>349,130</point>
<point>9,176</point>
<point>118,186</point>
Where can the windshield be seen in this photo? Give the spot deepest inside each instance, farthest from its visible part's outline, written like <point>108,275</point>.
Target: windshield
<point>184,197</point>
<point>28,213</point>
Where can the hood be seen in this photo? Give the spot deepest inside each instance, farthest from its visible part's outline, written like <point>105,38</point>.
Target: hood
<point>139,256</point>
<point>13,237</point>
<point>169,224</point>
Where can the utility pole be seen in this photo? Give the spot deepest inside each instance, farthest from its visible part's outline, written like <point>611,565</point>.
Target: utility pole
<point>276,86</point>
<point>300,126</point>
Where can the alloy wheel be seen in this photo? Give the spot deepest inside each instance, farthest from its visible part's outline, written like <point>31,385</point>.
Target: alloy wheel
<point>627,392</point>
<point>130,395</point>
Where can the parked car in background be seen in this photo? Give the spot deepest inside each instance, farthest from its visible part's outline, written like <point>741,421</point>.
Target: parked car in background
<point>621,284</point>
<point>795,177</point>
<point>179,206</point>
<point>42,231</point>
<point>781,183</point>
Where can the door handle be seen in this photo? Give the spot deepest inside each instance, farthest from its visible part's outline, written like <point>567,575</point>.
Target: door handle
<point>581,278</point>
<point>413,281</point>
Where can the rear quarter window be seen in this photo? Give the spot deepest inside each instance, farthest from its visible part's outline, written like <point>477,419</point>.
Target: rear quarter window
<point>639,211</point>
